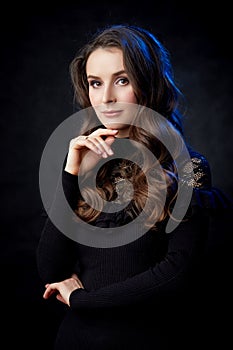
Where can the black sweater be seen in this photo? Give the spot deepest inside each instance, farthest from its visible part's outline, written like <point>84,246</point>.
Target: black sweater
<point>136,294</point>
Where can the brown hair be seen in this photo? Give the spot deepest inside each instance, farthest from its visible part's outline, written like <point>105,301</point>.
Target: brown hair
<point>149,69</point>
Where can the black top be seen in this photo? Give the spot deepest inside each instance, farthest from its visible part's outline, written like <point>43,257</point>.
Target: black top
<point>137,295</point>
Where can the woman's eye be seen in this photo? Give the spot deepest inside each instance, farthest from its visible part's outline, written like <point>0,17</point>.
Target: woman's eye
<point>123,81</point>
<point>94,83</point>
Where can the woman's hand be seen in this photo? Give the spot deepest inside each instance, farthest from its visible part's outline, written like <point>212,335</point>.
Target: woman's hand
<point>86,151</point>
<point>63,289</point>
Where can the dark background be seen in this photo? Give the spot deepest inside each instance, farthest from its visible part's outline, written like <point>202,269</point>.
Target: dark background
<point>37,44</point>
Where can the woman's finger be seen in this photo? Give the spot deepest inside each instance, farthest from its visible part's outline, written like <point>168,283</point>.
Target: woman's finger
<point>50,290</point>
<point>104,132</point>
<point>101,145</point>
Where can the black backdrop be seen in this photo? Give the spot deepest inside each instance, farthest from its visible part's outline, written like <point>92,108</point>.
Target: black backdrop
<point>37,44</point>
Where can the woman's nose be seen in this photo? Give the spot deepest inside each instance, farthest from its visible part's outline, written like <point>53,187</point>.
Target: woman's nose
<point>109,95</point>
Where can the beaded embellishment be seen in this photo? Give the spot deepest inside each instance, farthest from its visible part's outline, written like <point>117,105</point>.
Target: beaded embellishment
<point>196,172</point>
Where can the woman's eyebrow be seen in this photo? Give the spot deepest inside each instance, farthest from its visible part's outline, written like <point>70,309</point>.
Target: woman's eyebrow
<point>90,76</point>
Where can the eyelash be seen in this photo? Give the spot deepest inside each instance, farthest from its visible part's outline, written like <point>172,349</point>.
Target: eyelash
<point>93,82</point>
<point>124,79</point>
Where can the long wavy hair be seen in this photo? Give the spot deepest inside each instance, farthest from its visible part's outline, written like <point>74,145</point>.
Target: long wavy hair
<point>149,69</point>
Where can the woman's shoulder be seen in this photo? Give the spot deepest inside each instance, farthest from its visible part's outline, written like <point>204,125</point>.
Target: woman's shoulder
<point>205,194</point>
<point>200,171</point>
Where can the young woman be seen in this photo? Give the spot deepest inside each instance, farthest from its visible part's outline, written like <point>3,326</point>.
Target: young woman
<point>134,294</point>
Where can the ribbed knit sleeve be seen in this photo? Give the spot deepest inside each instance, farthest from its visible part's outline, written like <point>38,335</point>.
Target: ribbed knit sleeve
<point>56,253</point>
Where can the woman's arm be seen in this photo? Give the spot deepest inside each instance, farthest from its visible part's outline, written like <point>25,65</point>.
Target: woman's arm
<point>56,253</point>
<point>171,275</point>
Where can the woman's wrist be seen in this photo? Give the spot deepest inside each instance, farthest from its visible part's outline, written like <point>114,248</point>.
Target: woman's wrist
<point>71,170</point>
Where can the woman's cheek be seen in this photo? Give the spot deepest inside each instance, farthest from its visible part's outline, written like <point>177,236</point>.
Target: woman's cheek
<point>128,97</point>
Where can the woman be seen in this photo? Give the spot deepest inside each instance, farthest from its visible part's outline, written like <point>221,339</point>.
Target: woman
<point>133,294</point>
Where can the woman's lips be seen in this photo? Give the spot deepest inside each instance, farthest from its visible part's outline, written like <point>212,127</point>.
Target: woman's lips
<point>112,113</point>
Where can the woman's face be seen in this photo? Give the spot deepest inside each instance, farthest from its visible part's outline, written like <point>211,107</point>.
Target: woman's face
<point>110,90</point>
